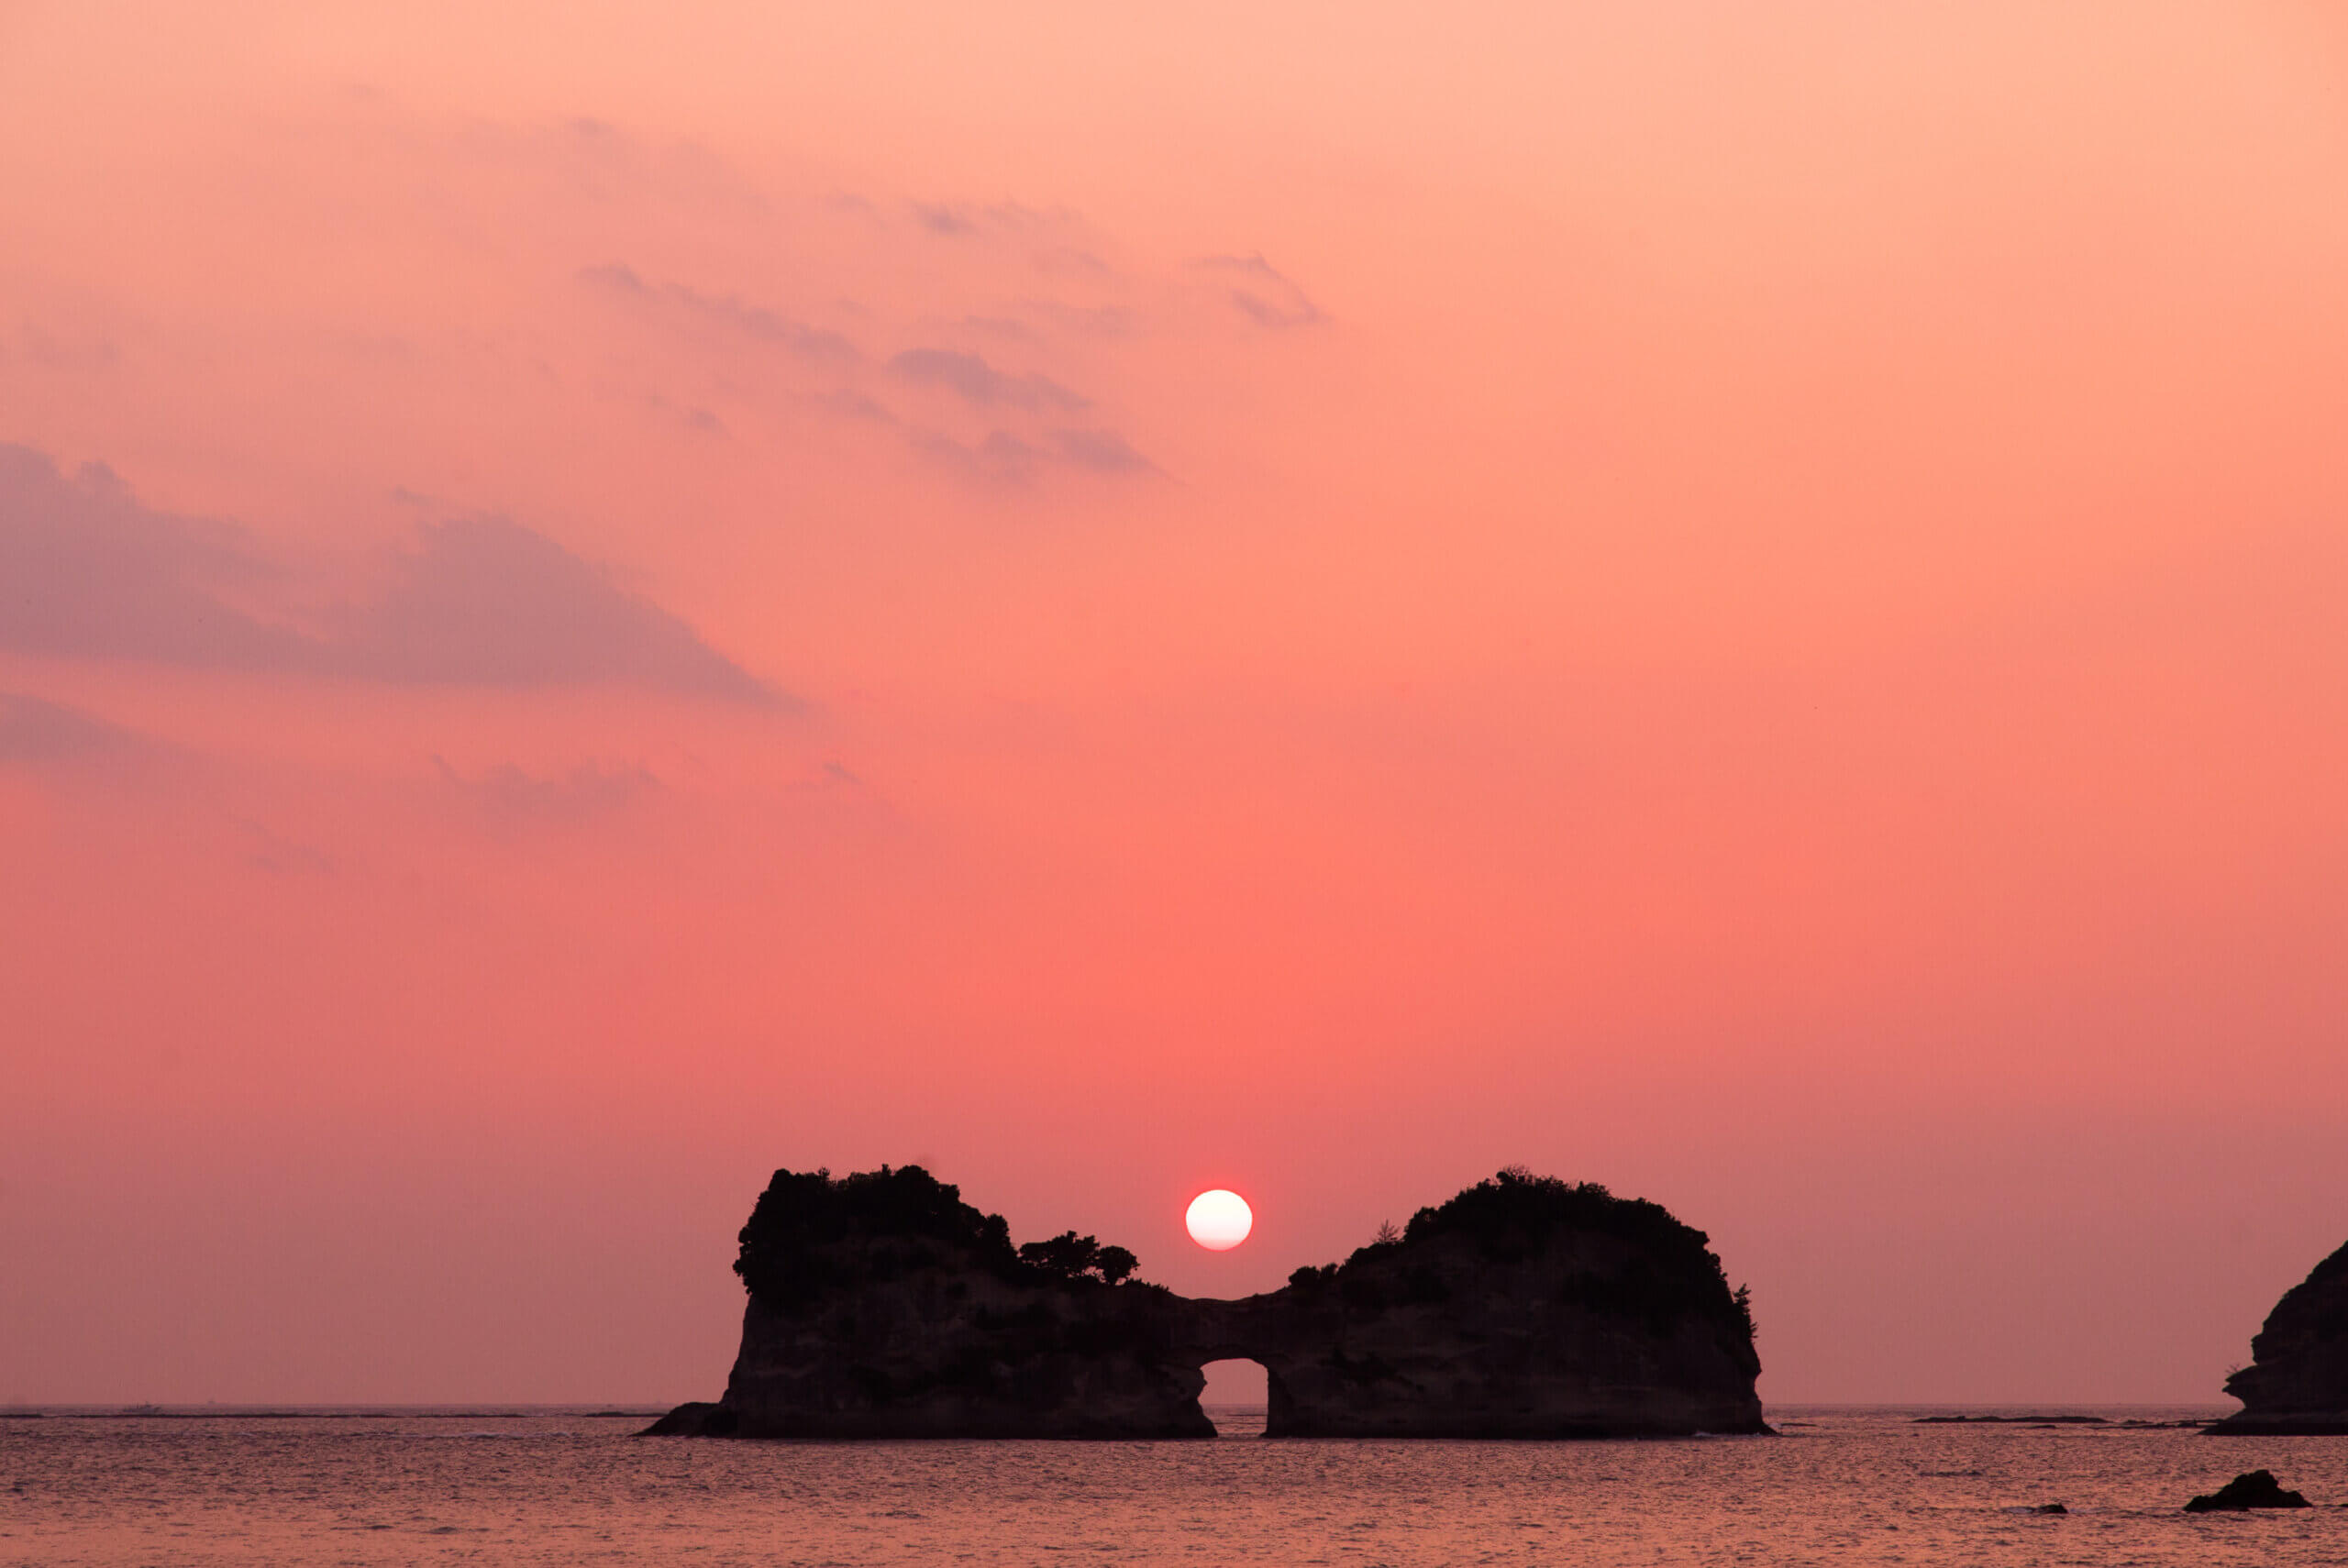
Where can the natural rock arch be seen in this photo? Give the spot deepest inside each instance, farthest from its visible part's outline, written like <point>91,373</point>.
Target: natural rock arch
<point>882,1305</point>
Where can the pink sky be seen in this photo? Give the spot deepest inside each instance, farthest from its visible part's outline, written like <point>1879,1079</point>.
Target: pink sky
<point>1742,603</point>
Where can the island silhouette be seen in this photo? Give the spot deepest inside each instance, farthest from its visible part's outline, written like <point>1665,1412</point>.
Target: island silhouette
<point>882,1305</point>
<point>2296,1383</point>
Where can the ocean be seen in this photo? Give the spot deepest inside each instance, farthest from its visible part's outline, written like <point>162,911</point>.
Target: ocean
<point>1842,1484</point>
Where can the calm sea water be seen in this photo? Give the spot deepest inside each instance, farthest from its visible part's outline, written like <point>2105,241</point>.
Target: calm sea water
<point>1841,1485</point>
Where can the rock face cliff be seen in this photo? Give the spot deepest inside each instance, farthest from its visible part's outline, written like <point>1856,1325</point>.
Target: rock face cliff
<point>1523,1308</point>
<point>2297,1379</point>
<point>883,1306</point>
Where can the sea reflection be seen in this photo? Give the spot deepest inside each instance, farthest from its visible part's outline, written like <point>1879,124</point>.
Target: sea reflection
<point>1841,1485</point>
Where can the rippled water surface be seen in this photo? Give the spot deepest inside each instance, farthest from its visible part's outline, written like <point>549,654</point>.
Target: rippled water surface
<point>1839,1486</point>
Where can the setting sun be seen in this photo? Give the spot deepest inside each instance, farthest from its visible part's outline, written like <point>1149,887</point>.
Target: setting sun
<point>1219,1220</point>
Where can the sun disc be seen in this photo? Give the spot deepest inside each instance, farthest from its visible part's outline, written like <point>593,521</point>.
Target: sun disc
<point>1219,1220</point>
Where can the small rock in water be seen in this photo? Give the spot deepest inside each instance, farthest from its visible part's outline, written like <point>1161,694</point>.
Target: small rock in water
<point>2051,1508</point>
<point>2255,1489</point>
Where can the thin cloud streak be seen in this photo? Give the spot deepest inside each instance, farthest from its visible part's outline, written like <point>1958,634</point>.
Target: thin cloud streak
<point>35,732</point>
<point>971,377</point>
<point>1270,298</point>
<point>728,314</point>
<point>92,573</point>
<point>1102,452</point>
<point>1002,456</point>
<point>508,799</point>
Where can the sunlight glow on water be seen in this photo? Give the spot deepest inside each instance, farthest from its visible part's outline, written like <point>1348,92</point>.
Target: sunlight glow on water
<point>1840,1486</point>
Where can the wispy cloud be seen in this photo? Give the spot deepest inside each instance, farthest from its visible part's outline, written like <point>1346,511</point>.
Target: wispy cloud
<point>508,799</point>
<point>618,277</point>
<point>1071,259</point>
<point>848,403</point>
<point>486,601</point>
<point>976,380</point>
<point>939,218</point>
<point>268,850</point>
<point>953,220</point>
<point>34,732</point>
<point>1265,295</point>
<point>1101,451</point>
<point>1001,456</point>
<point>729,315</point>
<point>47,348</point>
<point>87,571</point>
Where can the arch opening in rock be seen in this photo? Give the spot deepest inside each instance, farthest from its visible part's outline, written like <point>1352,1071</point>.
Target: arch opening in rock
<point>1236,1395</point>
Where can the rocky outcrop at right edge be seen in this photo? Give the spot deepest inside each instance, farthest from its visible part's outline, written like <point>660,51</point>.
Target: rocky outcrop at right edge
<point>2296,1383</point>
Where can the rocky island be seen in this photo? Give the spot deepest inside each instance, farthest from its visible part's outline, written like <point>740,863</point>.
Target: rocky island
<point>881,1305</point>
<point>2252,1489</point>
<point>2296,1383</point>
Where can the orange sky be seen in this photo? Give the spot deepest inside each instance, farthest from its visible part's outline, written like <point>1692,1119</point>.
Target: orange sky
<point>1737,601</point>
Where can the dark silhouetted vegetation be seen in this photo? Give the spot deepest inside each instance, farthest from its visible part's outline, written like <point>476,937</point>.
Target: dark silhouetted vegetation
<point>1515,1216</point>
<point>1515,1212</point>
<point>811,1235</point>
<point>1071,1257</point>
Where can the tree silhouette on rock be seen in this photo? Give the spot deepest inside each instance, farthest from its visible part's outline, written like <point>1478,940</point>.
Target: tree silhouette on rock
<point>1071,1257</point>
